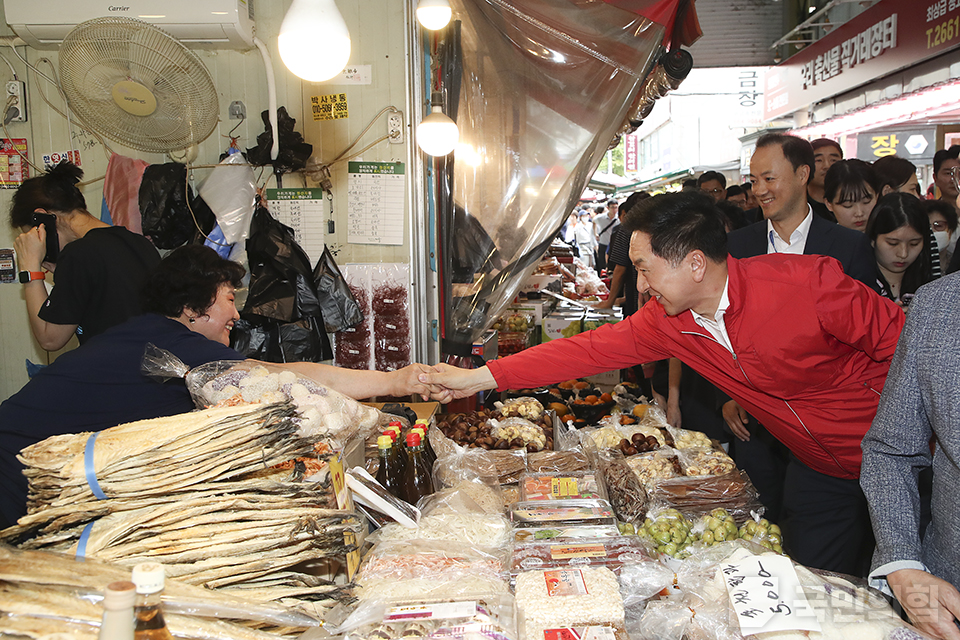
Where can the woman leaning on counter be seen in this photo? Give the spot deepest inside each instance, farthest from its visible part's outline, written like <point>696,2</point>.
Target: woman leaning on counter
<point>189,311</point>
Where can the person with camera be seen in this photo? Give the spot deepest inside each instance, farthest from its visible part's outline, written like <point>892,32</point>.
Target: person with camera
<point>98,269</point>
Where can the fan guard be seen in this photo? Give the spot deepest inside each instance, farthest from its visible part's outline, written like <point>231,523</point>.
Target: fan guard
<point>137,85</point>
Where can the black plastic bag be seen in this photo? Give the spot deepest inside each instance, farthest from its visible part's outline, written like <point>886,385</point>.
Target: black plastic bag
<point>300,341</point>
<point>281,320</point>
<point>293,153</point>
<point>338,304</point>
<point>166,218</point>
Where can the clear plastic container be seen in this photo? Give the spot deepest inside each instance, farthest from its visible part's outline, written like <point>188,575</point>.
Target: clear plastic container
<point>538,513</point>
<point>611,552</point>
<point>567,486</point>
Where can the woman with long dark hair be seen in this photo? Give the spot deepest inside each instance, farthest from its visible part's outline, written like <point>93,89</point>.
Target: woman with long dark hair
<point>899,230</point>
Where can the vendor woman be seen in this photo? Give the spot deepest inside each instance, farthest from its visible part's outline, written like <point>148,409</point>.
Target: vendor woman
<point>189,311</point>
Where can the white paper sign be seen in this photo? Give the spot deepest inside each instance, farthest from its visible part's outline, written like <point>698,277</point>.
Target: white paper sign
<point>766,595</point>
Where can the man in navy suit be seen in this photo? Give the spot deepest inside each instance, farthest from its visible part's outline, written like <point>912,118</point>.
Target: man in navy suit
<point>780,169</point>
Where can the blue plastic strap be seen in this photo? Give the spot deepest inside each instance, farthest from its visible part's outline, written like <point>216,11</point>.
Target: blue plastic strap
<point>88,470</point>
<point>82,544</point>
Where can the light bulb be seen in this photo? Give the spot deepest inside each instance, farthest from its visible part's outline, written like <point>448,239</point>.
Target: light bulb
<point>437,134</point>
<point>314,42</point>
<point>434,14</point>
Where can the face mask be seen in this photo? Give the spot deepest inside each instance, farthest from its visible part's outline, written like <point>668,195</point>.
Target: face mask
<point>943,239</point>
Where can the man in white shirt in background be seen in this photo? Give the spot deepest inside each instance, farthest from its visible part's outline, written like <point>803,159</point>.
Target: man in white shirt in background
<point>586,239</point>
<point>605,223</point>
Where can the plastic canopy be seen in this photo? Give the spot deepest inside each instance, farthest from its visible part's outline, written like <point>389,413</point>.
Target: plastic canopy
<point>539,89</point>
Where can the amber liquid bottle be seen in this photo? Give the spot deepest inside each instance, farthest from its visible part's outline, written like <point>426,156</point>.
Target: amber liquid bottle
<point>418,481</point>
<point>390,472</point>
<point>148,612</point>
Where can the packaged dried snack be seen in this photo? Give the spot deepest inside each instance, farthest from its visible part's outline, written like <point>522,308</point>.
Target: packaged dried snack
<point>559,461</point>
<point>568,597</point>
<point>610,552</point>
<point>551,486</point>
<point>538,514</point>
<point>565,532</point>
<point>705,462</point>
<point>655,466</point>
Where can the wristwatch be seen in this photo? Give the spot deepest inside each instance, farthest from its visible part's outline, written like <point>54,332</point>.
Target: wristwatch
<point>29,276</point>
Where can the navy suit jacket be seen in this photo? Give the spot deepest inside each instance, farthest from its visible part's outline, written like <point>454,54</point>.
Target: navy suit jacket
<point>851,248</point>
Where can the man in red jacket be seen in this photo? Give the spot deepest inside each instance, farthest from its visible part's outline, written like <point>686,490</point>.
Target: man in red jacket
<point>797,343</point>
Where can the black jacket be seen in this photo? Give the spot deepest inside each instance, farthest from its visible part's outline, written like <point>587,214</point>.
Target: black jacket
<point>851,248</point>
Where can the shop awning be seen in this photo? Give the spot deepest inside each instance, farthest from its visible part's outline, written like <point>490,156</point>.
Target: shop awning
<point>678,16</point>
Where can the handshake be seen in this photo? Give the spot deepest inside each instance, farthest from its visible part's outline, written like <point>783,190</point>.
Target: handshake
<point>441,382</point>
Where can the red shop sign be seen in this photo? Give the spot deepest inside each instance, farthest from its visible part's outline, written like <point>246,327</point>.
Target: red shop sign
<point>887,37</point>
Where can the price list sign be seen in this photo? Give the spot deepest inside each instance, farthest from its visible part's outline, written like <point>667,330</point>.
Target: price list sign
<point>375,193</point>
<point>302,211</point>
<point>766,595</point>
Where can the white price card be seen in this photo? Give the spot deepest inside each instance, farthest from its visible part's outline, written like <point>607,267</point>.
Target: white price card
<point>302,211</point>
<point>375,196</point>
<point>766,595</point>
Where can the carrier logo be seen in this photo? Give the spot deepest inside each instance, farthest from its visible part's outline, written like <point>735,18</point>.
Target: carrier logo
<point>116,9</point>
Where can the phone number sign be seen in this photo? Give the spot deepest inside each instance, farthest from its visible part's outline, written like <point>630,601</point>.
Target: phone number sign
<point>329,107</point>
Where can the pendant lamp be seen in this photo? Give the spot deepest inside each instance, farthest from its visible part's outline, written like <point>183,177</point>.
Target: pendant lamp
<point>314,42</point>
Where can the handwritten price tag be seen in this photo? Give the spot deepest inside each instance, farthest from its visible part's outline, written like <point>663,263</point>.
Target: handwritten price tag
<point>766,595</point>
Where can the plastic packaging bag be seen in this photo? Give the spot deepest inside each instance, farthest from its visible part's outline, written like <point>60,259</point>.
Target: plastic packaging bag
<point>627,495</point>
<point>465,497</point>
<point>732,491</point>
<point>581,485</point>
<point>570,461</point>
<point>479,529</point>
<point>323,411</point>
<point>166,217</point>
<point>586,596</point>
<point>698,462</point>
<point>337,302</point>
<point>294,152</point>
<point>522,407</point>
<point>230,192</point>
<point>486,616</point>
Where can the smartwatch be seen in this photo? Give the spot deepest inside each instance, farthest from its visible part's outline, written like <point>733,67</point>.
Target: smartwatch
<point>29,276</point>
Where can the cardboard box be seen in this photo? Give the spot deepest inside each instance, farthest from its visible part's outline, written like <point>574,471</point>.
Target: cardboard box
<point>561,325</point>
<point>424,410</point>
<point>537,282</point>
<point>605,381</point>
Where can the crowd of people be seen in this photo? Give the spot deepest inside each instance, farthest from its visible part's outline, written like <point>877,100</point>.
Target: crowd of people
<point>792,358</point>
<point>803,318</point>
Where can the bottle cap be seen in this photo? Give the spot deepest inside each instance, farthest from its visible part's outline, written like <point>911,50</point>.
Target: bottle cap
<point>148,576</point>
<point>413,439</point>
<point>384,442</point>
<point>423,422</point>
<point>396,423</point>
<point>119,595</point>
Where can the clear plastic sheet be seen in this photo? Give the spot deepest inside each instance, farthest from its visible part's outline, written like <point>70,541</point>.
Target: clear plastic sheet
<point>732,491</point>
<point>438,560</point>
<point>323,411</point>
<point>464,497</point>
<point>487,616</point>
<point>479,529</point>
<point>230,192</point>
<point>381,341</point>
<point>539,89</point>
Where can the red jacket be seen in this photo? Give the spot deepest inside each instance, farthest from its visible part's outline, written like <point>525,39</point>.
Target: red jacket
<point>811,352</point>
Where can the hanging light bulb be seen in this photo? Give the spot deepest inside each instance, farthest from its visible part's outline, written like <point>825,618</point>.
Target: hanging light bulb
<point>314,42</point>
<point>434,14</point>
<point>437,134</point>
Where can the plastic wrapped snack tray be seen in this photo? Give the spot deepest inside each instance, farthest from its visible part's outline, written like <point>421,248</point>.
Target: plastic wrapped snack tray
<point>695,496</point>
<point>490,616</point>
<point>559,461</point>
<point>553,486</point>
<point>480,529</point>
<point>428,559</point>
<point>568,597</point>
<point>611,553</point>
<point>705,462</point>
<point>655,466</point>
<point>565,532</point>
<point>539,514</point>
<point>687,439</point>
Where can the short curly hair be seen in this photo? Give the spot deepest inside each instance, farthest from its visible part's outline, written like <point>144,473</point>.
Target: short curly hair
<point>189,277</point>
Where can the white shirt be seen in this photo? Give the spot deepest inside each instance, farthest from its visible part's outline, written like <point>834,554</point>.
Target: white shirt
<point>798,239</point>
<point>715,326</point>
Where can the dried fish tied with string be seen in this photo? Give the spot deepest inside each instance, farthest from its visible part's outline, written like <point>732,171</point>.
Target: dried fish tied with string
<point>161,455</point>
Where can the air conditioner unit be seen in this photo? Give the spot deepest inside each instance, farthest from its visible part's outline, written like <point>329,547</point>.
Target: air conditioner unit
<point>203,24</point>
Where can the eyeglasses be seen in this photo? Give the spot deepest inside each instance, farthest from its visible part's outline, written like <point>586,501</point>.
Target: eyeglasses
<point>940,225</point>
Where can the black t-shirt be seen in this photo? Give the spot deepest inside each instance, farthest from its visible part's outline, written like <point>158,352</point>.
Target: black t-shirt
<point>620,255</point>
<point>98,280</point>
<point>97,386</point>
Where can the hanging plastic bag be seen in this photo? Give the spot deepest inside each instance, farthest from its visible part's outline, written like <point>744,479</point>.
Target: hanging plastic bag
<point>340,308</point>
<point>293,150</point>
<point>166,217</point>
<point>231,191</point>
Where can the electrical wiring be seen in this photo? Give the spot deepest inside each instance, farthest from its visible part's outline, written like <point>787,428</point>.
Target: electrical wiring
<point>391,109</point>
<point>12,70</point>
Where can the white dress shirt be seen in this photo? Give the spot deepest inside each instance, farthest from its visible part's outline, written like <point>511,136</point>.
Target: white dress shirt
<point>798,239</point>
<point>715,326</point>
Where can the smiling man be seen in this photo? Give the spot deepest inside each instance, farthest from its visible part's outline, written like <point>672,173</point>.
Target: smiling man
<point>775,332</point>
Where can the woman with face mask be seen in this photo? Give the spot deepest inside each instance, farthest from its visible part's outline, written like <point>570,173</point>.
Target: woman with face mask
<point>899,231</point>
<point>943,221</point>
<point>851,189</point>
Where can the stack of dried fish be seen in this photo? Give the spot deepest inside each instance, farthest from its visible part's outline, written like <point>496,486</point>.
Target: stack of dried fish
<point>209,494</point>
<point>43,593</point>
